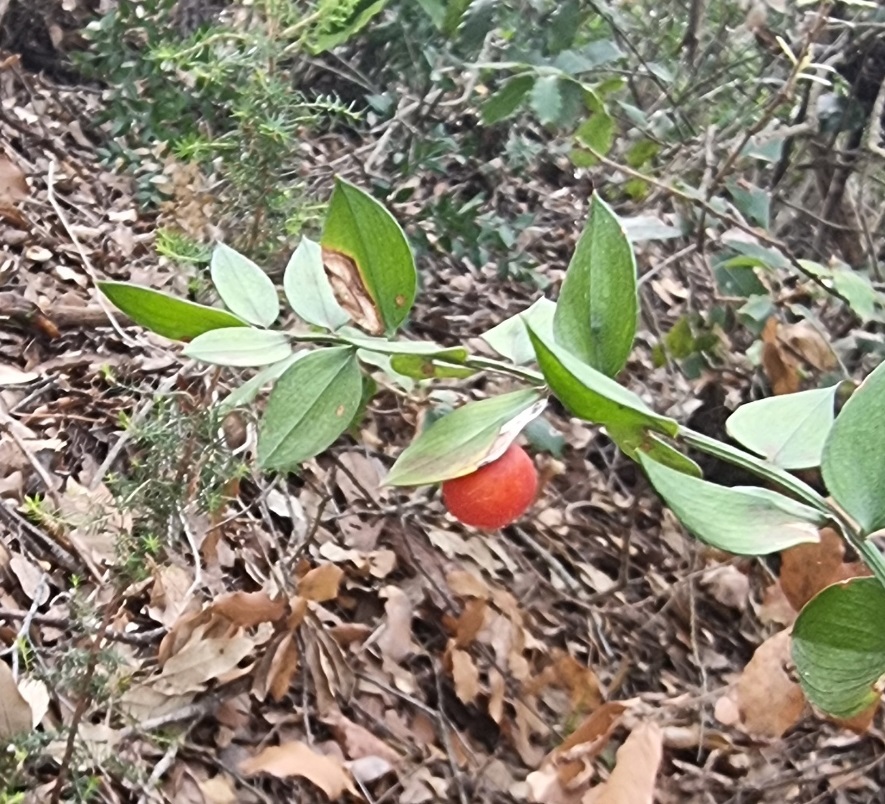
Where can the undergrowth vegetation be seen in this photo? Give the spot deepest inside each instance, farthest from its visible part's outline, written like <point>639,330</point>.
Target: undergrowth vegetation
<point>642,239</point>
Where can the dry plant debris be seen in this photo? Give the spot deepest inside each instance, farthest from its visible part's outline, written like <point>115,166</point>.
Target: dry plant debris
<point>204,635</point>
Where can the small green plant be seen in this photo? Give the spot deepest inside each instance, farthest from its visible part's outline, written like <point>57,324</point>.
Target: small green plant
<point>179,459</point>
<point>362,273</point>
<point>222,94</point>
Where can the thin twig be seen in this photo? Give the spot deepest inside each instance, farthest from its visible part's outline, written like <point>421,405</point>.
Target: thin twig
<point>83,704</point>
<point>26,623</point>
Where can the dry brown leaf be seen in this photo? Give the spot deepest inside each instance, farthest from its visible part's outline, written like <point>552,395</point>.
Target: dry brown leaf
<point>545,787</point>
<point>594,731</point>
<point>274,673</point>
<point>357,741</point>
<point>780,366</point>
<point>808,568</point>
<point>395,641</point>
<point>350,291</point>
<point>218,790</point>
<point>13,184</point>
<point>769,701</point>
<point>470,622</point>
<point>466,584</point>
<point>31,578</point>
<point>567,672</point>
<point>321,583</point>
<point>169,594</point>
<point>775,608</point>
<point>15,712</point>
<point>248,609</point>
<point>804,340</point>
<point>728,585</point>
<point>295,758</point>
<point>200,661</point>
<point>636,767</point>
<point>465,675</point>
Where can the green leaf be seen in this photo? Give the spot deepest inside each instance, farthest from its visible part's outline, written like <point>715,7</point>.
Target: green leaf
<point>546,99</point>
<point>631,441</point>
<point>741,520</point>
<point>839,647</point>
<point>591,395</point>
<point>244,288</point>
<point>598,305</point>
<point>865,301</point>
<point>361,229</point>
<point>385,363</point>
<point>544,437</point>
<point>239,347</point>
<point>597,132</point>
<point>460,442</point>
<point>507,100</point>
<point>308,289</point>
<point>752,202</point>
<point>310,406</point>
<point>789,430</point>
<point>648,227</point>
<point>510,338</point>
<point>419,367</point>
<point>853,462</point>
<point>340,31</point>
<point>173,318</point>
<point>252,387</point>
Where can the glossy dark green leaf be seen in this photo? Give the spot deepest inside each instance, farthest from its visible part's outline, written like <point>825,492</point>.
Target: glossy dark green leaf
<point>460,442</point>
<point>598,305</point>
<point>310,406</point>
<point>173,318</point>
<point>245,289</point>
<point>839,647</point>
<point>741,520</point>
<point>593,396</point>
<point>853,460</point>
<point>358,227</point>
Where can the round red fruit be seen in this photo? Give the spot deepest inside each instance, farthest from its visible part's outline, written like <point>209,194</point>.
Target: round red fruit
<point>495,494</point>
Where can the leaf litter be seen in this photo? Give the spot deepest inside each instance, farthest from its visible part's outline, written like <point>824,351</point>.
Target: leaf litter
<point>328,639</point>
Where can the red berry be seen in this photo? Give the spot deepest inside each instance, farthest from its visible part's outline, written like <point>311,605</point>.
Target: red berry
<point>495,494</point>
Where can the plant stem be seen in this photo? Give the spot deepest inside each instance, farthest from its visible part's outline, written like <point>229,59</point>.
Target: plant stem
<point>471,361</point>
<point>866,550</point>
<point>757,466</point>
<point>489,364</point>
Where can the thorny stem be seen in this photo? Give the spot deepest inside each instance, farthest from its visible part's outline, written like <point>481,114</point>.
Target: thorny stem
<point>867,550</point>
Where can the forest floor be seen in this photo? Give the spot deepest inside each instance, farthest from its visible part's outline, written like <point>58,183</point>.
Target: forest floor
<point>322,637</point>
